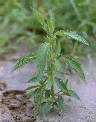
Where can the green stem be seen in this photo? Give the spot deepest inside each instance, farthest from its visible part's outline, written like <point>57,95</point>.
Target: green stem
<point>51,64</point>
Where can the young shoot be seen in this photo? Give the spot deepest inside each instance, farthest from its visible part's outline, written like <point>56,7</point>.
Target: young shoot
<point>50,88</point>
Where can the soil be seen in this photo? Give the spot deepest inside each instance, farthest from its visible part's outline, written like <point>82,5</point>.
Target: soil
<point>16,107</point>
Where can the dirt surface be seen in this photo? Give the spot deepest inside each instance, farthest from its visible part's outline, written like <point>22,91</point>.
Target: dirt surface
<point>15,106</point>
<point>75,111</point>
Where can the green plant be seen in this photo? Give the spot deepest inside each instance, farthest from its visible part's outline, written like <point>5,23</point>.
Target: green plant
<point>18,23</point>
<point>49,87</point>
<point>15,24</point>
<point>81,18</point>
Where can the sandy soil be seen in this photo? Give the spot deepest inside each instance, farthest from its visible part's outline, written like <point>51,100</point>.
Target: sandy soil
<point>75,111</point>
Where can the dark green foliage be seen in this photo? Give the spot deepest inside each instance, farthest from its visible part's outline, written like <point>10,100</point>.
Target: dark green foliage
<point>48,60</point>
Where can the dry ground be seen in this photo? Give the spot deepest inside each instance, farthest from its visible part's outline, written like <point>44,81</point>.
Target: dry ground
<point>75,111</point>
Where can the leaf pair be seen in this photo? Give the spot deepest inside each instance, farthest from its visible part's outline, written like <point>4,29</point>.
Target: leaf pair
<point>74,65</point>
<point>63,86</point>
<point>47,23</point>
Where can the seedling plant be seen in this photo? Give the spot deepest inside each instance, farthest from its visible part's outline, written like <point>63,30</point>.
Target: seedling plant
<point>48,88</point>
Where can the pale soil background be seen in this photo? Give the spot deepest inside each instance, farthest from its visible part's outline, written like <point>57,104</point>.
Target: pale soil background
<point>75,111</point>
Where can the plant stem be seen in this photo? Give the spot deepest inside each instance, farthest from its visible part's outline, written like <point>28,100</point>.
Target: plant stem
<point>51,65</point>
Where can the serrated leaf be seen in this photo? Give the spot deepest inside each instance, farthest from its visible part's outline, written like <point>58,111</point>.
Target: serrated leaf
<point>41,59</point>
<point>49,84</point>
<point>30,93</point>
<point>72,35</point>
<point>50,25</point>
<point>60,102</point>
<point>45,109</point>
<point>57,65</point>
<point>75,65</point>
<point>37,101</point>
<point>76,36</point>
<point>40,17</point>
<point>61,85</point>
<point>58,49</point>
<point>73,94</point>
<point>33,79</point>
<point>66,83</point>
<point>32,87</point>
<point>24,60</point>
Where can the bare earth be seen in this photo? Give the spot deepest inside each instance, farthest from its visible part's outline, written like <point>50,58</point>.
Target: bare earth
<point>75,111</point>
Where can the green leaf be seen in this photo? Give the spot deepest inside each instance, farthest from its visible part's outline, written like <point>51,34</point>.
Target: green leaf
<point>57,65</point>
<point>58,49</point>
<point>75,65</point>
<point>49,84</point>
<point>61,85</point>
<point>33,79</point>
<point>30,93</point>
<point>77,37</point>
<point>50,25</point>
<point>73,94</point>
<point>32,87</point>
<point>66,83</point>
<point>45,109</point>
<point>24,60</point>
<point>37,101</point>
<point>60,102</point>
<point>72,35</point>
<point>41,59</point>
<point>40,17</point>
<point>64,88</point>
